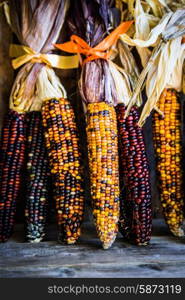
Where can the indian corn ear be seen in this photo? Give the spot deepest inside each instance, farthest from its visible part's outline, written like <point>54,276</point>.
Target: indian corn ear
<point>65,162</point>
<point>135,204</point>
<point>168,148</point>
<point>12,156</point>
<point>37,179</point>
<point>104,173</point>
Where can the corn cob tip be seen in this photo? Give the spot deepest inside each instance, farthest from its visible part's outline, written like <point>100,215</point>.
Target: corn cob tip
<point>143,244</point>
<point>67,240</point>
<point>35,241</point>
<point>179,232</point>
<point>109,244</point>
<point>71,241</point>
<point>35,233</point>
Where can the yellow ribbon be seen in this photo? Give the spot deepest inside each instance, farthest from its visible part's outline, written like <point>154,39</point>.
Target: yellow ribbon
<point>24,54</point>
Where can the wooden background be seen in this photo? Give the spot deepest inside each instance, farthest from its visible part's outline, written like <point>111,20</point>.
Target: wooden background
<point>69,80</point>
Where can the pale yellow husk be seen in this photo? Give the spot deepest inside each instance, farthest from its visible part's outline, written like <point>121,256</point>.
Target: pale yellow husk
<point>122,83</point>
<point>6,8</point>
<point>36,81</point>
<point>47,86</point>
<point>125,75</point>
<point>156,6</point>
<point>143,29</point>
<point>183,79</point>
<point>166,72</point>
<point>164,68</point>
<point>147,15</point>
<point>153,37</point>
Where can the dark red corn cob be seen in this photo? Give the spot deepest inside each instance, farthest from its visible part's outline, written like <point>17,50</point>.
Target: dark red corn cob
<point>12,155</point>
<point>135,204</point>
<point>37,179</point>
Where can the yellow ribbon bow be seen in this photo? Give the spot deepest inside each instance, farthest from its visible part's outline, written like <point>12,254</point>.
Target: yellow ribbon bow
<point>24,54</point>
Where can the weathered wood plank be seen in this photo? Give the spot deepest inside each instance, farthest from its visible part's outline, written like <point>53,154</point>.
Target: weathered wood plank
<point>164,257</point>
<point>162,270</point>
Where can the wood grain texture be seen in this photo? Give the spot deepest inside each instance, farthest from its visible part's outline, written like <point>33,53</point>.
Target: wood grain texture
<point>164,257</point>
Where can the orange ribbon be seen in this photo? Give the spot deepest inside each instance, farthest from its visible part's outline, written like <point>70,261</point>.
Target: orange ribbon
<point>78,45</point>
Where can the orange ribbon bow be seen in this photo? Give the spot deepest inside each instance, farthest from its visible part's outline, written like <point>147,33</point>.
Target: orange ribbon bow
<point>78,45</point>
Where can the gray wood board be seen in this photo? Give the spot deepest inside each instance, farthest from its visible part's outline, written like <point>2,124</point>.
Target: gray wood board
<point>164,257</point>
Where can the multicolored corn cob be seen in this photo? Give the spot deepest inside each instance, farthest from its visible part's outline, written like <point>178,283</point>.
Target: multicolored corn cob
<point>64,155</point>
<point>167,143</point>
<point>135,203</point>
<point>12,155</point>
<point>104,172</point>
<point>37,179</point>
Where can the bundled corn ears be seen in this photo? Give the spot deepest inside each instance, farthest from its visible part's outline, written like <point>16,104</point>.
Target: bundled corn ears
<point>164,81</point>
<point>36,82</point>
<point>62,143</point>
<point>90,21</point>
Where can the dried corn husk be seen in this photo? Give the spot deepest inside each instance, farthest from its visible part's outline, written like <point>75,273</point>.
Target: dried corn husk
<point>128,70</point>
<point>6,8</point>
<point>121,82</point>
<point>48,86</point>
<point>142,30</point>
<point>174,5</point>
<point>166,72</point>
<point>92,21</point>
<point>147,15</point>
<point>125,75</point>
<point>168,4</point>
<point>156,6</point>
<point>183,79</point>
<point>153,37</point>
<point>176,26</point>
<point>164,69</point>
<point>27,22</point>
<point>96,83</point>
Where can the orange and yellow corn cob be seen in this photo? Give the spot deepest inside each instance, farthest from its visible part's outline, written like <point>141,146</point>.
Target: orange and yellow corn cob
<point>167,142</point>
<point>104,173</point>
<point>65,162</point>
